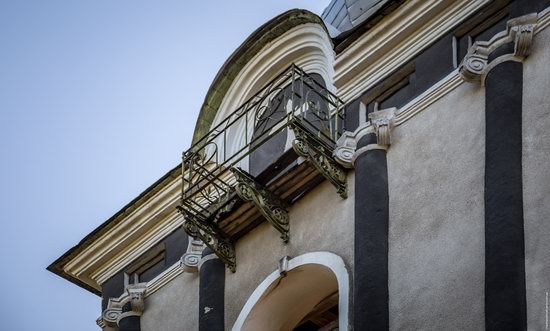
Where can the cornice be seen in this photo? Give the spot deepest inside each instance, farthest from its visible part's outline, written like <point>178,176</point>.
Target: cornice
<point>428,97</point>
<point>396,40</point>
<point>134,234</point>
<point>164,278</point>
<point>543,20</point>
<point>134,250</point>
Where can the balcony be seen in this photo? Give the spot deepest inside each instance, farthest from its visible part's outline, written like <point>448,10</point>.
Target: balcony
<point>260,159</point>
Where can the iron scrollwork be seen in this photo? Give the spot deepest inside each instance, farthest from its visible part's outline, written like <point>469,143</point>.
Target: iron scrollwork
<point>212,237</point>
<point>314,151</point>
<point>272,207</point>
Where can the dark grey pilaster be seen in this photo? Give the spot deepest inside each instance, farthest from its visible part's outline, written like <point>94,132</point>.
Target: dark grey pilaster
<point>505,303</point>
<point>130,322</point>
<point>498,64</point>
<point>365,150</point>
<point>370,290</point>
<point>211,292</point>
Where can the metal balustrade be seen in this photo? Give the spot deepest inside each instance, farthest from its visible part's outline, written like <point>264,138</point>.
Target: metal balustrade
<point>293,103</point>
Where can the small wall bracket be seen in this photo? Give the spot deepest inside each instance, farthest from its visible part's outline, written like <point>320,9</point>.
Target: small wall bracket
<point>313,150</point>
<point>272,207</point>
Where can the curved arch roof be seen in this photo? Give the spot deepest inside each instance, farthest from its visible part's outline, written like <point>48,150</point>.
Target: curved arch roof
<point>268,32</point>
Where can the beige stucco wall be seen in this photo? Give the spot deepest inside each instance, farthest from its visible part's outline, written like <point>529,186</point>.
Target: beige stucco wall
<point>320,221</point>
<point>436,231</point>
<point>536,178</point>
<point>436,234</point>
<point>174,307</point>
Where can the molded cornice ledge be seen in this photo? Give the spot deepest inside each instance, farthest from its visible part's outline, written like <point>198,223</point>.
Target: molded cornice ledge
<point>381,123</point>
<point>135,295</point>
<point>475,66</point>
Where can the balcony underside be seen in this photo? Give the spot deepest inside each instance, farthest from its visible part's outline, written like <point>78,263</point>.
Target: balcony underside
<point>297,178</point>
<point>284,138</point>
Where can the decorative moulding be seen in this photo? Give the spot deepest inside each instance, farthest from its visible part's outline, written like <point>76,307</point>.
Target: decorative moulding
<point>190,260</point>
<point>428,97</point>
<point>152,286</point>
<point>347,144</point>
<point>139,246</point>
<point>519,30</point>
<point>381,123</point>
<point>135,295</point>
<point>137,232</point>
<point>396,40</point>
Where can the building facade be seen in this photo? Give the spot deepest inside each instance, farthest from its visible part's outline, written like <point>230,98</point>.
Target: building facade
<point>385,165</point>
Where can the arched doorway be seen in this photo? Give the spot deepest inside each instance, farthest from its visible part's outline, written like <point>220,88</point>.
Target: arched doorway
<point>310,294</point>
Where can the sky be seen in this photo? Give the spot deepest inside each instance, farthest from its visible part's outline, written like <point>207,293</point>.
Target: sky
<point>98,98</point>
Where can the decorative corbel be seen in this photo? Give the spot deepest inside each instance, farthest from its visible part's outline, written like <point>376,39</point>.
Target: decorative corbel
<point>313,150</point>
<point>136,292</point>
<point>272,207</point>
<point>382,122</point>
<point>211,236</point>
<point>347,145</point>
<point>520,30</point>
<point>190,260</point>
<point>135,295</point>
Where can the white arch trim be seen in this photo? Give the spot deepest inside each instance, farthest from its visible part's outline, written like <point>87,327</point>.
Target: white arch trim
<point>327,259</point>
<point>307,45</point>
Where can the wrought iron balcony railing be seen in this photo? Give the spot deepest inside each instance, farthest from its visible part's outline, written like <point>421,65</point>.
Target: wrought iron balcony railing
<point>295,109</point>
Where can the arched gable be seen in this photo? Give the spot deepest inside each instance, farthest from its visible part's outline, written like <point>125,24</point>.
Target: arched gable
<point>296,36</point>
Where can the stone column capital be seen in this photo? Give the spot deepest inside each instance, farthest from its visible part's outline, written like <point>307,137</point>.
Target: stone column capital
<point>380,123</point>
<point>190,260</point>
<point>520,30</point>
<point>135,295</point>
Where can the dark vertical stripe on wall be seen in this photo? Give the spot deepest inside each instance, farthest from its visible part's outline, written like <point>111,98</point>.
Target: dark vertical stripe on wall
<point>211,294</point>
<point>130,323</point>
<point>505,302</point>
<point>370,294</point>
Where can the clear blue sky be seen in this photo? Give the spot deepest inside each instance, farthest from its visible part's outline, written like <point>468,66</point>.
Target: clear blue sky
<point>98,98</point>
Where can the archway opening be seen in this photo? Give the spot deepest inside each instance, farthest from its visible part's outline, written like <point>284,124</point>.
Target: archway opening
<point>305,298</point>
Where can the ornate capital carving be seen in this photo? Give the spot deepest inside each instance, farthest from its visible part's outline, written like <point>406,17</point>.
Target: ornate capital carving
<point>135,294</point>
<point>475,66</point>
<point>347,145</point>
<point>382,122</point>
<point>273,208</point>
<point>190,260</point>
